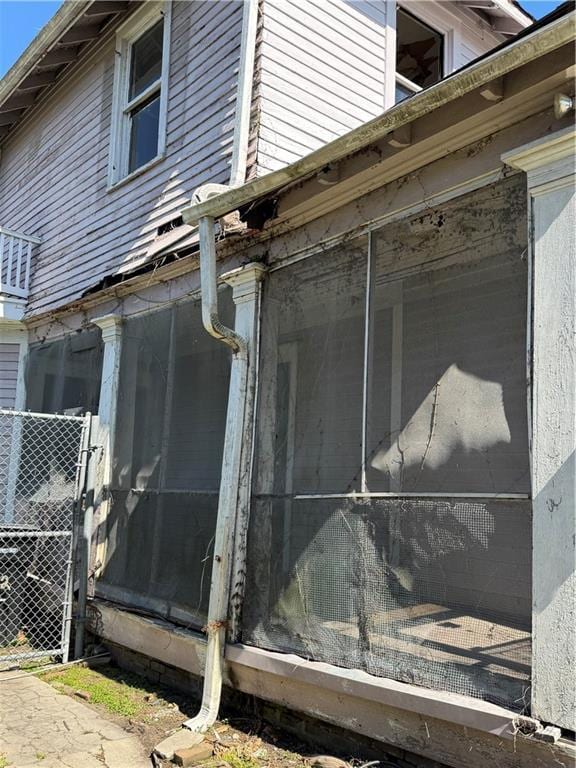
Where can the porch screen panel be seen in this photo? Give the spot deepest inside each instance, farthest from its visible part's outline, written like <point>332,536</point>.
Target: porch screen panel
<point>446,411</point>
<point>312,358</point>
<point>65,374</point>
<point>418,569</point>
<point>172,403</point>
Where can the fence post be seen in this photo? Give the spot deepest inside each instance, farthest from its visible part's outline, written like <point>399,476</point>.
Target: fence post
<point>81,541</point>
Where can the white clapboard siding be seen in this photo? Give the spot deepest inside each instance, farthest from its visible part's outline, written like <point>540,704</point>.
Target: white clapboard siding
<point>9,354</point>
<point>320,74</point>
<point>471,44</point>
<point>53,181</point>
<point>321,68</point>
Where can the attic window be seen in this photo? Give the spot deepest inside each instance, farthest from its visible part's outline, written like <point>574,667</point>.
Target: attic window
<point>419,54</point>
<point>140,91</point>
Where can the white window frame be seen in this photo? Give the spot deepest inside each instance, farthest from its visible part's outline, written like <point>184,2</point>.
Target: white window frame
<point>140,22</point>
<point>432,15</point>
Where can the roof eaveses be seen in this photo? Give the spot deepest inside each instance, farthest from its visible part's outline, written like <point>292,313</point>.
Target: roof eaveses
<point>557,29</point>
<point>58,44</point>
<point>77,22</point>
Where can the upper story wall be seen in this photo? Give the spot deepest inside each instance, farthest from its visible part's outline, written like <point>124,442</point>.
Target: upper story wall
<point>323,68</point>
<point>53,171</point>
<point>321,72</point>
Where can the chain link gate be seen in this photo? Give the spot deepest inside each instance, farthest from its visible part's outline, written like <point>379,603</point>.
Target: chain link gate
<point>42,473</point>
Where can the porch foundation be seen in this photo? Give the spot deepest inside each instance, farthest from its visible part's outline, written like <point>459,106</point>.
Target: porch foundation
<point>402,717</point>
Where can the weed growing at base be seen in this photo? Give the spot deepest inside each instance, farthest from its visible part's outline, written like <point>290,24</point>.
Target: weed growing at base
<point>114,692</point>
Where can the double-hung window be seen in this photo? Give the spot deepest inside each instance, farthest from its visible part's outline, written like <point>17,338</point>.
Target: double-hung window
<point>419,55</point>
<point>140,91</point>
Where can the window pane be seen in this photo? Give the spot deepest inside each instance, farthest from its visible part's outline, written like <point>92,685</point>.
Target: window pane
<point>447,409</point>
<point>146,64</point>
<point>144,133</point>
<point>418,50</point>
<point>199,399</point>
<point>402,93</point>
<point>428,591</point>
<point>432,592</point>
<point>311,374</point>
<point>141,397</point>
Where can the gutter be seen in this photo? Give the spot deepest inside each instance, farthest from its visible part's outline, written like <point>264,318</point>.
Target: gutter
<point>211,320</point>
<point>512,56</point>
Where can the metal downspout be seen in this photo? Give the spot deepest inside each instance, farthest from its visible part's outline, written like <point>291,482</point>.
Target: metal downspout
<point>229,482</point>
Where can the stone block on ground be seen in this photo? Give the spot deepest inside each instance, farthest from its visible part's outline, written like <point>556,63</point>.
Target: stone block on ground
<point>326,761</point>
<point>182,739</point>
<point>193,755</point>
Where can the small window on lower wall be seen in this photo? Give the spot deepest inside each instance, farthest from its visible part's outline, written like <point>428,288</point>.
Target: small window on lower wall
<point>65,375</point>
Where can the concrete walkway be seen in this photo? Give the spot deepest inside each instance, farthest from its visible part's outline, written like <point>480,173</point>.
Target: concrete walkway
<point>41,727</point>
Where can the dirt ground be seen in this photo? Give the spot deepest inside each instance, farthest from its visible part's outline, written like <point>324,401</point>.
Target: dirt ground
<point>152,712</point>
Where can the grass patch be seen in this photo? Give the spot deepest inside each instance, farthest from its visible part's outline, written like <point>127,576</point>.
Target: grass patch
<point>4,761</point>
<point>236,760</point>
<point>114,691</point>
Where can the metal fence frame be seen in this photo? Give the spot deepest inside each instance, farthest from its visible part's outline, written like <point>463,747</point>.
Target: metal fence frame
<point>43,471</point>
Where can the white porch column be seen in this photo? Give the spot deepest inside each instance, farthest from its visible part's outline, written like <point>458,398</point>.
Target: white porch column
<point>550,167</point>
<point>111,326</point>
<point>13,344</point>
<point>13,351</point>
<point>245,283</point>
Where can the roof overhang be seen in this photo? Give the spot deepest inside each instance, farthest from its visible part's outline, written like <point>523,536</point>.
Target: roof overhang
<point>504,16</point>
<point>78,23</point>
<point>72,29</point>
<point>478,76</point>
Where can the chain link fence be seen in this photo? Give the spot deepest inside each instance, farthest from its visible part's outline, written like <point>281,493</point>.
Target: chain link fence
<point>39,490</point>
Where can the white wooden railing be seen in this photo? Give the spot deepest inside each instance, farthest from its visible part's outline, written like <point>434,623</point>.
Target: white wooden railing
<point>15,262</point>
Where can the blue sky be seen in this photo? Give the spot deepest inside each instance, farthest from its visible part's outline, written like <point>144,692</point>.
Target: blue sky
<point>21,20</point>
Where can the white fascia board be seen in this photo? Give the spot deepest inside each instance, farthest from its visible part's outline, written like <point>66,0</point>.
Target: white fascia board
<point>544,151</point>
<point>510,10</point>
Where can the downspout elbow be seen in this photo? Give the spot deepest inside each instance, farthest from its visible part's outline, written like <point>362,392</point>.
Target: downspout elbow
<point>209,289</point>
<point>218,330</point>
